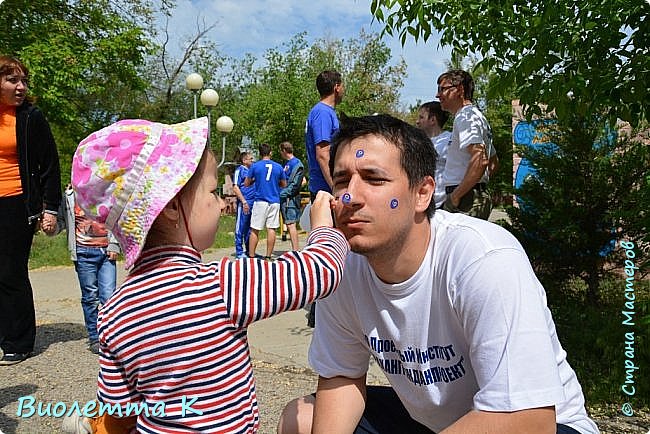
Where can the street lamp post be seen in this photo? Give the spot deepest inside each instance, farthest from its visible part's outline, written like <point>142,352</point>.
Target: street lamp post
<point>225,126</point>
<point>209,98</point>
<point>194,83</point>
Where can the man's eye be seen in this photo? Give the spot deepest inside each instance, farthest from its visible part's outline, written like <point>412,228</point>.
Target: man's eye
<point>376,181</point>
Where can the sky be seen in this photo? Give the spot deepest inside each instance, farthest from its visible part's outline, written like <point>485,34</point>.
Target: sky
<point>254,26</point>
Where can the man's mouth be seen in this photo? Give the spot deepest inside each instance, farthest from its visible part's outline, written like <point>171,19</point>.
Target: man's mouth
<point>352,221</point>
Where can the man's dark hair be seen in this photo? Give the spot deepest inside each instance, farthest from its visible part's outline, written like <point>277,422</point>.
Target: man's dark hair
<point>434,109</point>
<point>417,156</point>
<point>326,81</point>
<point>265,150</point>
<point>458,76</point>
<point>286,147</point>
<point>244,155</point>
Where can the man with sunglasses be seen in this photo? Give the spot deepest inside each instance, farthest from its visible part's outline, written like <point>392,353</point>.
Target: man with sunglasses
<point>471,156</point>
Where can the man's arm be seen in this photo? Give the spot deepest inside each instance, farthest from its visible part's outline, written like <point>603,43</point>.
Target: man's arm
<point>531,421</point>
<point>238,193</point>
<point>475,170</point>
<point>241,198</point>
<point>340,402</point>
<point>493,165</point>
<point>294,183</point>
<point>248,181</point>
<point>323,158</point>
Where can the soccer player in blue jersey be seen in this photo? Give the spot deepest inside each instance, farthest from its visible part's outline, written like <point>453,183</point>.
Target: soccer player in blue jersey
<point>269,178</point>
<point>245,199</point>
<point>290,195</point>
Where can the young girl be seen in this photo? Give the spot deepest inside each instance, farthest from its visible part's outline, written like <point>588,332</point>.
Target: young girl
<point>173,344</point>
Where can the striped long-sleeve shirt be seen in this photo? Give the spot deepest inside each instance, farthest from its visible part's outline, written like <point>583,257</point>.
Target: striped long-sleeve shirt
<point>173,337</point>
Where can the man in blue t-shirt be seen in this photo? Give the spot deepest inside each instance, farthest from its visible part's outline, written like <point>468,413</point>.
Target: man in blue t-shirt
<point>322,124</point>
<point>268,177</point>
<point>320,128</point>
<point>290,195</point>
<point>245,199</point>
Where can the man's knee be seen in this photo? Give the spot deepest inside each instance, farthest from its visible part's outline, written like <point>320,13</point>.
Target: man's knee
<point>297,416</point>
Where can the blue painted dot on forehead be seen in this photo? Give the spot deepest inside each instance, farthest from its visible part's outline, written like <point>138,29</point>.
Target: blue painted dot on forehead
<point>394,203</point>
<point>360,153</point>
<point>346,198</point>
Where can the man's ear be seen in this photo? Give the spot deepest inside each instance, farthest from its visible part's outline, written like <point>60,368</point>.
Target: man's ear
<point>424,194</point>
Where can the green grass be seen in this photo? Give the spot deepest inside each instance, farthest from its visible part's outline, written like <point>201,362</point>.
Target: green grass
<point>53,251</point>
<point>49,251</point>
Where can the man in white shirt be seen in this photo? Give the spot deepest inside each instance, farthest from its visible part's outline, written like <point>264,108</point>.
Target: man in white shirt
<point>471,156</point>
<point>447,305</point>
<point>431,120</point>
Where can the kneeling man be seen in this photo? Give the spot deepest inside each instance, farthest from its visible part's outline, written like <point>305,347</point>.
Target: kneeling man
<point>446,304</point>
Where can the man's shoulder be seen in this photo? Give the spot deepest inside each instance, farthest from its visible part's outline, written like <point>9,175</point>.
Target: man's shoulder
<point>471,234</point>
<point>321,108</point>
<point>354,264</point>
<point>295,161</point>
<point>443,138</point>
<point>469,113</point>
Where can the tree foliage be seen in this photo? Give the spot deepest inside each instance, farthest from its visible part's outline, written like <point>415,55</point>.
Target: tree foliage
<point>84,59</point>
<point>270,102</point>
<point>586,57</point>
<point>166,99</point>
<point>582,64</point>
<point>589,191</point>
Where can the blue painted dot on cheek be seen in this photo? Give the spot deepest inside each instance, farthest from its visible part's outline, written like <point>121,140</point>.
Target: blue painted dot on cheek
<point>394,203</point>
<point>360,153</point>
<point>346,198</point>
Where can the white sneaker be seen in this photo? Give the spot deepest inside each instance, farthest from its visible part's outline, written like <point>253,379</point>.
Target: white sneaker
<point>76,424</point>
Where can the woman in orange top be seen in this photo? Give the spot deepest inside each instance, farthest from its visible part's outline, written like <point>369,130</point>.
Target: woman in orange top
<point>30,190</point>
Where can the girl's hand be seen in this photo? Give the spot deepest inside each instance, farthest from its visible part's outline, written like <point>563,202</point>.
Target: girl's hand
<point>321,210</point>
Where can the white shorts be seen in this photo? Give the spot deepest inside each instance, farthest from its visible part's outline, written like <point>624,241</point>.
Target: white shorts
<point>265,215</point>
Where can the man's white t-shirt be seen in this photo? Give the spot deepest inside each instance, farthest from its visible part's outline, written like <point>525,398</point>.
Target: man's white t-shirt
<point>469,330</point>
<point>440,142</point>
<point>470,128</point>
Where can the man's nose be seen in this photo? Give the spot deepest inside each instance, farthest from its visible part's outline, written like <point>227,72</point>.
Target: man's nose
<point>353,194</point>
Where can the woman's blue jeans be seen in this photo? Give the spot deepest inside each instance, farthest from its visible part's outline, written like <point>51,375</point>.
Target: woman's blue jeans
<point>97,278</point>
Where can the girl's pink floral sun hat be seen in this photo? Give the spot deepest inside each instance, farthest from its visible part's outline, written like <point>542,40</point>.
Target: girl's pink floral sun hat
<point>124,175</point>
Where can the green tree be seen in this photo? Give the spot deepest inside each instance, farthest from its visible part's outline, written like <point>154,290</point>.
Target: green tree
<point>582,64</point>
<point>84,59</point>
<point>588,191</point>
<point>594,51</point>
<point>270,103</point>
<point>166,99</point>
